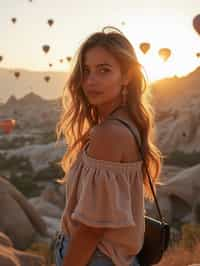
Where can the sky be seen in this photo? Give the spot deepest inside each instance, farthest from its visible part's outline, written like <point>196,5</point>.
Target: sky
<point>159,22</point>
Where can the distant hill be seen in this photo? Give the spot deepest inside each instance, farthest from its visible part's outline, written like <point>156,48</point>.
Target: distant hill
<point>31,111</point>
<point>173,93</point>
<point>30,81</point>
<point>166,91</point>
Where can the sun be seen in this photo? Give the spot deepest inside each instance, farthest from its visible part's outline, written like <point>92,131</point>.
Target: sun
<point>177,65</point>
<point>155,68</point>
<point>164,32</point>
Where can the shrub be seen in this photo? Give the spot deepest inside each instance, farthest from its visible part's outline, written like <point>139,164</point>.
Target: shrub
<point>17,142</point>
<point>54,171</point>
<point>41,249</point>
<point>180,256</point>
<point>15,164</point>
<point>26,185</point>
<point>190,235</point>
<point>24,182</point>
<point>48,137</point>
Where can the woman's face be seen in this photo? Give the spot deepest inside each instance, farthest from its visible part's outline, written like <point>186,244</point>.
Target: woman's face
<point>102,78</point>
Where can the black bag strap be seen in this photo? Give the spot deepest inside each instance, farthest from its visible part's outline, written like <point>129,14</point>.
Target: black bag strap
<point>138,140</point>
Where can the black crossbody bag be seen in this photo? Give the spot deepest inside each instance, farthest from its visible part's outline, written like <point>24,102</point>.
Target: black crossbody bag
<point>157,232</point>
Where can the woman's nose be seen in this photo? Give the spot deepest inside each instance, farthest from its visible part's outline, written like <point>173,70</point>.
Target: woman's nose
<point>91,78</point>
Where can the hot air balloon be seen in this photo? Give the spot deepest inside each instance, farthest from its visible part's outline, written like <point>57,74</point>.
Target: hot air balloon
<point>50,65</point>
<point>7,125</point>
<point>144,47</point>
<point>46,48</point>
<point>68,58</point>
<point>1,58</point>
<point>198,55</point>
<point>196,23</point>
<point>17,74</point>
<point>14,20</point>
<point>164,53</point>
<point>47,78</point>
<point>61,60</point>
<point>50,22</point>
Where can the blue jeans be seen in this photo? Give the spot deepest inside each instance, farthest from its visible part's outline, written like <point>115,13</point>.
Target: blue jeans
<point>97,259</point>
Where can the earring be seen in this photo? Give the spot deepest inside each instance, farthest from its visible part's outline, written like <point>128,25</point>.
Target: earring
<point>124,92</point>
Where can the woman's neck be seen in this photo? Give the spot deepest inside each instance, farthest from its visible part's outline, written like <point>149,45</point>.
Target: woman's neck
<point>119,111</point>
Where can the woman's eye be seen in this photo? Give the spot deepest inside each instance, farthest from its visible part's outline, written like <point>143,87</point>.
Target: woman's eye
<point>104,70</point>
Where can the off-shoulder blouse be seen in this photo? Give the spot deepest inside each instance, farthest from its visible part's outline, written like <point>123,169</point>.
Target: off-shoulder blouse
<point>107,194</point>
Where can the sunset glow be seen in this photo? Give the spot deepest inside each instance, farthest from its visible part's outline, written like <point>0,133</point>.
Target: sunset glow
<point>168,32</point>
<point>168,25</point>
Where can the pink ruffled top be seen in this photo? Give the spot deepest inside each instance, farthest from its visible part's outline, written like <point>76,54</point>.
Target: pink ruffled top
<point>107,194</point>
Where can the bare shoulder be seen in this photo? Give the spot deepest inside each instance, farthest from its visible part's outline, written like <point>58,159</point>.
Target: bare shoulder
<point>130,146</point>
<point>112,141</point>
<point>106,141</point>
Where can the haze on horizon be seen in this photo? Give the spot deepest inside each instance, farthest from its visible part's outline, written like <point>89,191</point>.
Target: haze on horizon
<point>167,24</point>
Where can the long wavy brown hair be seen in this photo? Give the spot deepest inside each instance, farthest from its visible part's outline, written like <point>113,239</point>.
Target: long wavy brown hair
<point>78,117</point>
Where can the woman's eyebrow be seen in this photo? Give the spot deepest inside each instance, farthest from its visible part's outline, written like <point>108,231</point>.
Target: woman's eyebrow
<point>104,64</point>
<point>100,65</point>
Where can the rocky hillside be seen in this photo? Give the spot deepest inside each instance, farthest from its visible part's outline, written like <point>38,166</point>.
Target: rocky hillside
<point>31,111</point>
<point>175,93</point>
<point>176,102</point>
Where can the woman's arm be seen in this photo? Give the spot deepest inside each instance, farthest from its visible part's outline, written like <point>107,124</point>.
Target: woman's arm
<point>82,245</point>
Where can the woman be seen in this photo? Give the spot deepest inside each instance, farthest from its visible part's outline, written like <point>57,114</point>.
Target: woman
<point>103,221</point>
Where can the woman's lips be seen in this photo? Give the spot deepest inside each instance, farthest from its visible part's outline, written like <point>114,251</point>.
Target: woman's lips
<point>95,93</point>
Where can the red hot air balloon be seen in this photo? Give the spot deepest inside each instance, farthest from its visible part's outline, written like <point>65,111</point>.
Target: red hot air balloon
<point>47,78</point>
<point>196,23</point>
<point>46,48</point>
<point>17,74</point>
<point>164,53</point>
<point>7,125</point>
<point>50,22</point>
<point>144,47</point>
<point>14,20</point>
